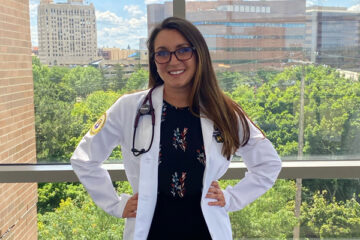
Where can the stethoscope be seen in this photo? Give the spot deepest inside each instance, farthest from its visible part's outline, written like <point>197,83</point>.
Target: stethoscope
<point>145,109</point>
<point>148,109</point>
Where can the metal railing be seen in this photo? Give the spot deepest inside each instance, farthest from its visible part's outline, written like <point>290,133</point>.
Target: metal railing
<point>307,169</point>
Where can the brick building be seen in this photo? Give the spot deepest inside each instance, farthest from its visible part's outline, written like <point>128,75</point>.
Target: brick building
<point>18,215</point>
<point>115,54</point>
<point>245,35</point>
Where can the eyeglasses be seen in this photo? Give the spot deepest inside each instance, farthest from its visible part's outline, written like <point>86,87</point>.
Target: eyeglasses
<point>182,54</point>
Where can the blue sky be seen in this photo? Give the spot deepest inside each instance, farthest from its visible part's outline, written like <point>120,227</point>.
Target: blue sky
<point>122,22</point>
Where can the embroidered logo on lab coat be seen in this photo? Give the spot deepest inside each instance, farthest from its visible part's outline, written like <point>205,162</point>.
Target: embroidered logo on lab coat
<point>218,135</point>
<point>98,125</point>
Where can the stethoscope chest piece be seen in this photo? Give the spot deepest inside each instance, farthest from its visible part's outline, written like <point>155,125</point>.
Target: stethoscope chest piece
<point>144,109</point>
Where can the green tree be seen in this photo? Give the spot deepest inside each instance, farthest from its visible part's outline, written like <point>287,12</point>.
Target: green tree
<point>72,220</point>
<point>57,73</point>
<point>269,217</point>
<point>331,219</point>
<point>36,61</point>
<point>229,81</point>
<point>332,106</point>
<point>245,96</point>
<point>118,81</point>
<point>340,189</point>
<point>138,80</point>
<point>51,194</point>
<point>54,124</point>
<point>84,80</point>
<point>76,216</point>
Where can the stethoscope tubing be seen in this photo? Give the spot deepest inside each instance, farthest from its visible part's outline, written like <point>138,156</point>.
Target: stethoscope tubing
<point>144,109</point>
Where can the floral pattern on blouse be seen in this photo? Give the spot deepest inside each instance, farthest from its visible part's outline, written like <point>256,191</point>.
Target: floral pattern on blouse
<point>178,185</point>
<point>200,155</point>
<point>179,139</point>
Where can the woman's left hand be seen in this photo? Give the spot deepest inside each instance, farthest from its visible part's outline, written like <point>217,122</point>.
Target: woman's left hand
<point>215,192</point>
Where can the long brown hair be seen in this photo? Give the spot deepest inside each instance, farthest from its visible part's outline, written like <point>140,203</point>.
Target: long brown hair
<point>206,96</point>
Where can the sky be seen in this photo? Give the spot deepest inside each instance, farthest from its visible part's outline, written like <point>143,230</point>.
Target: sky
<point>120,23</point>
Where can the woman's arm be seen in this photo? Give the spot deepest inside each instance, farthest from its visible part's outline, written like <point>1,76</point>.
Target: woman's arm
<point>263,164</point>
<point>92,151</point>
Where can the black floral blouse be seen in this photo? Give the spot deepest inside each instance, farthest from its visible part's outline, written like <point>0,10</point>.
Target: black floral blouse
<point>182,162</point>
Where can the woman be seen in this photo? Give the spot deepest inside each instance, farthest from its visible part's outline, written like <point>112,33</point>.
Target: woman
<point>174,157</point>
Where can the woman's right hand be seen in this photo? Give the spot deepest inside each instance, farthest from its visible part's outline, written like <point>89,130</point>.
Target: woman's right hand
<point>131,207</point>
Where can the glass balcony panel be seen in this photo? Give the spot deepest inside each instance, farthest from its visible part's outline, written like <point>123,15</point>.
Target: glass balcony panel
<point>294,68</point>
<point>86,54</point>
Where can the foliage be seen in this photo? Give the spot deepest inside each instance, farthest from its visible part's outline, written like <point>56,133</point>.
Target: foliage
<point>69,101</point>
<point>332,106</point>
<point>340,189</point>
<point>51,194</point>
<point>67,212</point>
<point>245,96</point>
<point>329,219</point>
<point>118,81</point>
<point>229,81</point>
<point>53,121</point>
<point>83,220</point>
<point>84,80</point>
<point>270,216</point>
<point>138,80</point>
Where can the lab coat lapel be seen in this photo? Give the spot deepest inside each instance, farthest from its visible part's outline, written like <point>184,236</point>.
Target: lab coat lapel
<point>207,128</point>
<point>148,180</point>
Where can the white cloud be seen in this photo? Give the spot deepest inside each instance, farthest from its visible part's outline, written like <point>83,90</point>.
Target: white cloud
<point>108,17</point>
<point>355,8</point>
<point>153,1</point>
<point>133,10</point>
<point>316,3</point>
<point>115,31</point>
<point>310,3</point>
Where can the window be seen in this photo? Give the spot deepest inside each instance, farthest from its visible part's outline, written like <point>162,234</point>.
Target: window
<point>297,76</point>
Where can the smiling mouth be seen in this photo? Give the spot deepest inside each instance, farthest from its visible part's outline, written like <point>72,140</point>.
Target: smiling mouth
<point>176,72</point>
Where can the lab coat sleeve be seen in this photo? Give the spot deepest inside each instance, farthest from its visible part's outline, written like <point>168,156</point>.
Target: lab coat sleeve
<point>89,155</point>
<point>263,166</point>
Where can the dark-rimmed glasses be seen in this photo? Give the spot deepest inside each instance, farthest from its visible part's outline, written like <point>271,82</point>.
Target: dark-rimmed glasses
<point>181,54</point>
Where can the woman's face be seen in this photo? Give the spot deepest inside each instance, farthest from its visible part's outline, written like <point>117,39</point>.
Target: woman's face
<point>176,74</point>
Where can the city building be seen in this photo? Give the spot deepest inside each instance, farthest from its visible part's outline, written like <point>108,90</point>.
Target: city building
<point>67,33</point>
<point>245,35</point>
<point>333,37</point>
<point>116,54</point>
<point>143,44</point>
<point>129,58</point>
<point>35,51</point>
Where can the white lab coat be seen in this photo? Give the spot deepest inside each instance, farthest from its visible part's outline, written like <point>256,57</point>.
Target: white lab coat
<point>260,157</point>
